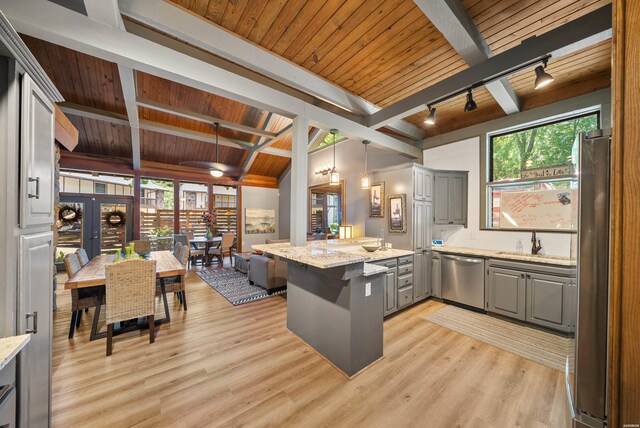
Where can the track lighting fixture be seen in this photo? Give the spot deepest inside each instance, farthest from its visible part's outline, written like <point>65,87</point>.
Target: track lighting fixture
<point>431,119</point>
<point>542,77</point>
<point>470,104</point>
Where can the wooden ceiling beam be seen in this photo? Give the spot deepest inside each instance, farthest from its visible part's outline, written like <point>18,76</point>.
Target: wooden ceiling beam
<point>188,114</point>
<point>452,20</point>
<point>53,23</point>
<point>570,34</point>
<point>199,32</point>
<point>107,11</point>
<point>162,128</point>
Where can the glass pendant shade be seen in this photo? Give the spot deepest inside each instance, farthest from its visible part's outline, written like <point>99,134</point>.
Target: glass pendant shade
<point>365,182</point>
<point>334,177</point>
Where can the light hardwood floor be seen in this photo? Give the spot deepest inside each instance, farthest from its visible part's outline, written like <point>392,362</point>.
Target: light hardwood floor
<point>220,365</point>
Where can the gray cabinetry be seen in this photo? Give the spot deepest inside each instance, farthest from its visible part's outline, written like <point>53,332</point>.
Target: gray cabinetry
<point>506,293</point>
<point>399,282</point>
<point>435,275</point>
<point>390,289</point>
<point>34,316</point>
<point>551,301</point>
<point>8,396</point>
<point>422,287</point>
<point>422,187</point>
<point>450,197</point>
<point>539,294</point>
<point>36,156</point>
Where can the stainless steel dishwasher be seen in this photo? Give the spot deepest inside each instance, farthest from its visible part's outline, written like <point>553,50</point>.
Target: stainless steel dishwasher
<point>463,280</point>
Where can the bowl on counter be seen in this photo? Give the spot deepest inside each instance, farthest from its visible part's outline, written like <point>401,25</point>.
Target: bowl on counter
<point>371,248</point>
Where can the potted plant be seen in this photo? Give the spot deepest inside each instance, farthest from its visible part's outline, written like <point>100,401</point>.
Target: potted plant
<point>333,227</point>
<point>59,261</point>
<point>209,219</point>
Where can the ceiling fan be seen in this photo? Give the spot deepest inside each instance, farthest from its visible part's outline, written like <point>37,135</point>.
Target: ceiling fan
<point>216,169</point>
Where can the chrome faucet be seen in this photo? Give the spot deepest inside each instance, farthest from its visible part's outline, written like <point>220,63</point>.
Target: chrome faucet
<point>535,248</point>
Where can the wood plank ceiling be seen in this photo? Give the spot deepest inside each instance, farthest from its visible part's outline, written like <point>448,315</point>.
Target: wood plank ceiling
<point>91,82</point>
<point>385,50</point>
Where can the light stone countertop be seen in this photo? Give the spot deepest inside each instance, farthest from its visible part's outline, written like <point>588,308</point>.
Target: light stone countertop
<point>507,255</point>
<point>371,269</point>
<point>328,254</point>
<point>10,346</point>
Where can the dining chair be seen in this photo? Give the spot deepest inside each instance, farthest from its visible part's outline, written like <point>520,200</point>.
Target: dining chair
<point>141,246</point>
<point>195,252</point>
<point>181,238</point>
<point>81,298</point>
<point>82,256</point>
<point>130,291</point>
<point>224,247</point>
<point>176,249</point>
<point>176,284</point>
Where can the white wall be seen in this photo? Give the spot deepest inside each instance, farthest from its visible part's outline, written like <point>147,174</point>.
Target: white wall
<point>465,156</point>
<point>258,197</point>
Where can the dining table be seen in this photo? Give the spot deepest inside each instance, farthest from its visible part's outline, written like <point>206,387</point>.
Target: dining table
<point>93,275</point>
<point>208,243</point>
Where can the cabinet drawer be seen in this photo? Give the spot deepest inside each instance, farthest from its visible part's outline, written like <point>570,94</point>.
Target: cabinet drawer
<point>405,280</point>
<point>405,260</point>
<point>405,269</point>
<point>405,297</point>
<point>390,263</point>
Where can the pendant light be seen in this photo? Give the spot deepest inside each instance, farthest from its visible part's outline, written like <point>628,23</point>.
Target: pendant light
<point>334,176</point>
<point>471,104</point>
<point>542,77</point>
<point>365,177</point>
<point>431,119</point>
<point>217,173</point>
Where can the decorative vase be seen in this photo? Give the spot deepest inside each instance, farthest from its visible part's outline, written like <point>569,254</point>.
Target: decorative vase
<point>209,234</point>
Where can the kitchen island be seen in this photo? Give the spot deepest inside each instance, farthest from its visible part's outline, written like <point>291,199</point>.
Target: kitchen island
<point>335,299</point>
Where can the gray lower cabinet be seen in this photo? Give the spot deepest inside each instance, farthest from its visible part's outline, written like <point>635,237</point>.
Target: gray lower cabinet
<point>8,401</point>
<point>551,301</point>
<point>435,275</point>
<point>507,293</point>
<point>539,294</point>
<point>390,301</point>
<point>422,284</point>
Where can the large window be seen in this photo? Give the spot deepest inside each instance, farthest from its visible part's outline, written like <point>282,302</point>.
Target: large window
<point>194,201</point>
<point>156,212</point>
<point>531,181</point>
<point>94,183</point>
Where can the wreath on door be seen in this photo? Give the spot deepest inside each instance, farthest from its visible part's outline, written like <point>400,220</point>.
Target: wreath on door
<point>115,218</point>
<point>68,214</point>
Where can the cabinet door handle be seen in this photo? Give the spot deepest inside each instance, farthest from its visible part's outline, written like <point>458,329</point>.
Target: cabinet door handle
<point>34,315</point>
<point>37,194</point>
<point>521,275</point>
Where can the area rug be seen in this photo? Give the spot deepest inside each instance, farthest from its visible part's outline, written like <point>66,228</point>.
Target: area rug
<point>536,345</point>
<point>234,286</point>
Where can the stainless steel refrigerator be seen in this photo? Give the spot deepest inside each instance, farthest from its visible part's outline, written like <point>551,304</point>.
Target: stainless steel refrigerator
<point>586,371</point>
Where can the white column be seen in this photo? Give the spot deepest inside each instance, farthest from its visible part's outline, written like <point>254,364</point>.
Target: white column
<point>299,165</point>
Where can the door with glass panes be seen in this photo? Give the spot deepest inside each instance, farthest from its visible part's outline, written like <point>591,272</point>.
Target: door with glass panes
<point>99,224</point>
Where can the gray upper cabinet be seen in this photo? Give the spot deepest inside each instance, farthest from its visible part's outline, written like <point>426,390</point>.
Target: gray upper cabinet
<point>551,301</point>
<point>507,293</point>
<point>36,156</point>
<point>450,197</point>
<point>422,187</point>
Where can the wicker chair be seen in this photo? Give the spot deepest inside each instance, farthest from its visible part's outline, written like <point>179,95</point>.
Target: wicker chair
<point>195,252</point>
<point>82,256</point>
<point>81,299</point>
<point>176,285</point>
<point>141,246</point>
<point>176,249</point>
<point>225,247</point>
<point>130,289</point>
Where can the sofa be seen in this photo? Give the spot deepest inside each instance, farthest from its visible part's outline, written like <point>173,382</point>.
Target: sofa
<point>269,273</point>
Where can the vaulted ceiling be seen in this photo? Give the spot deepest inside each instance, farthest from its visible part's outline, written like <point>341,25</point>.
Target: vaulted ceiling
<point>379,50</point>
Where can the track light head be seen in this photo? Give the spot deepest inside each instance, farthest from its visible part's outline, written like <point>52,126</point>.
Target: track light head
<point>431,119</point>
<point>470,104</point>
<point>542,77</point>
